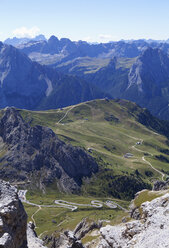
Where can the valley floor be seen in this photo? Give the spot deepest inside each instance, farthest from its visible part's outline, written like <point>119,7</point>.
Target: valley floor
<point>75,209</point>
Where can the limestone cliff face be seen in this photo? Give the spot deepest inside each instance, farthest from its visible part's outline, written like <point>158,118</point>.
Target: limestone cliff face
<point>148,82</point>
<point>13,218</point>
<point>151,230</point>
<point>36,154</point>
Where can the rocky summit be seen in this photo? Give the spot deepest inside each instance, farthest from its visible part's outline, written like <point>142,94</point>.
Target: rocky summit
<point>13,218</point>
<point>36,155</point>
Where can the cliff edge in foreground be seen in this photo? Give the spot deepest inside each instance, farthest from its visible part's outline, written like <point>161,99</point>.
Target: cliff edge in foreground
<point>152,230</point>
<point>13,218</point>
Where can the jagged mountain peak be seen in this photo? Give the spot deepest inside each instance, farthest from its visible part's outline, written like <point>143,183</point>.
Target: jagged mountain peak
<point>53,39</point>
<point>11,56</point>
<point>153,54</point>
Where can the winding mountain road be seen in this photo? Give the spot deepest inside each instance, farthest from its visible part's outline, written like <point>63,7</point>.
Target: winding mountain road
<point>69,205</point>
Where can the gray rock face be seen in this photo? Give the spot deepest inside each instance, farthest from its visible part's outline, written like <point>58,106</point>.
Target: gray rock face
<point>151,231</point>
<point>13,219</point>
<point>148,82</point>
<point>22,82</point>
<point>161,185</point>
<point>85,227</point>
<point>33,240</point>
<point>35,153</point>
<point>150,70</point>
<point>72,239</point>
<point>67,240</point>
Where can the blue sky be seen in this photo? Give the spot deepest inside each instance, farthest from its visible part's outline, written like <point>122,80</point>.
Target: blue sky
<point>91,20</point>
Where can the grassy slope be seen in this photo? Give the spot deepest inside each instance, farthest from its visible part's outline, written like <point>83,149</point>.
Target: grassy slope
<point>87,65</point>
<point>58,219</point>
<point>110,129</point>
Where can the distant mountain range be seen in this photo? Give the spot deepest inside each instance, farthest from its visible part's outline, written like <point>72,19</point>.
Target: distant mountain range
<point>44,74</point>
<point>27,84</point>
<point>55,51</point>
<point>144,80</point>
<point>18,41</point>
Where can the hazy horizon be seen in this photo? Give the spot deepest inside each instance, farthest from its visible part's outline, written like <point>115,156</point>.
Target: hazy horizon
<point>92,42</point>
<point>92,21</point>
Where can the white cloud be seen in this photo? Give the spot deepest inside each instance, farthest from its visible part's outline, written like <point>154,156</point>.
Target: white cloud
<point>106,38</point>
<point>101,38</point>
<point>23,32</point>
<point>88,39</point>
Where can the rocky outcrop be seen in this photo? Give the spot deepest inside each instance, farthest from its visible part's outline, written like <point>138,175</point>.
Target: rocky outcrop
<point>85,227</point>
<point>141,233</point>
<point>67,240</point>
<point>13,218</point>
<point>72,239</point>
<point>36,154</point>
<point>33,240</point>
<point>161,185</point>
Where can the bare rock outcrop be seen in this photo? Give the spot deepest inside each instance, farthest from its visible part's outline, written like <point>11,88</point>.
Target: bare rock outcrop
<point>13,218</point>
<point>33,240</point>
<point>85,227</point>
<point>72,239</point>
<point>161,185</point>
<point>36,153</point>
<point>151,230</point>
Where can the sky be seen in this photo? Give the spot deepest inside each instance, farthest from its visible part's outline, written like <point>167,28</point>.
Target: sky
<point>90,20</point>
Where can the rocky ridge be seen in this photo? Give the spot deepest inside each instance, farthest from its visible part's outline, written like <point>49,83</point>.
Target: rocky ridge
<point>148,82</point>
<point>13,218</point>
<point>36,154</point>
<point>141,233</point>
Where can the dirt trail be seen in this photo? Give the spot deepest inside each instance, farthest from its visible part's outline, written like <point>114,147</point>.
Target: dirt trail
<point>32,217</point>
<point>143,158</point>
<point>66,114</point>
